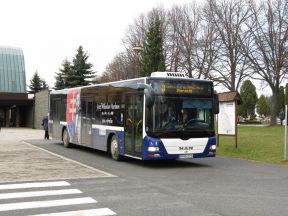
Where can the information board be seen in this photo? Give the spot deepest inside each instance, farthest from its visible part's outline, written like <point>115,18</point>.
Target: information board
<point>227,118</point>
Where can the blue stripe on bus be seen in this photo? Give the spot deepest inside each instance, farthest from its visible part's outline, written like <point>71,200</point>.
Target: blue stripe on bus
<point>121,143</point>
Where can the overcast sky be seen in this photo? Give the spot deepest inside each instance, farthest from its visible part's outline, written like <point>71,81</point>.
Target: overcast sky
<point>49,31</point>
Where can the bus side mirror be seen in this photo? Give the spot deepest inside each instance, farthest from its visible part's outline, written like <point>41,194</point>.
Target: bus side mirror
<point>149,94</point>
<point>216,104</point>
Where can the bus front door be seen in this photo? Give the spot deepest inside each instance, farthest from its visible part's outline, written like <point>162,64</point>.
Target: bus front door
<point>133,124</point>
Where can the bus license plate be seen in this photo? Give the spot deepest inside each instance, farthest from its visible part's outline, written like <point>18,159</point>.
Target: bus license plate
<point>186,156</point>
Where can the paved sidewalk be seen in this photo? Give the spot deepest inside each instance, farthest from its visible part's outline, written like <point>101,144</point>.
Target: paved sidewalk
<point>21,161</point>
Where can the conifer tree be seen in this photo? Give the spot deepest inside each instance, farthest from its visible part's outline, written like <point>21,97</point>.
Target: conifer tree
<point>60,82</point>
<point>152,56</point>
<point>263,107</point>
<point>44,85</point>
<point>35,83</point>
<point>82,73</point>
<point>77,73</point>
<point>63,77</point>
<point>249,99</point>
<point>286,94</point>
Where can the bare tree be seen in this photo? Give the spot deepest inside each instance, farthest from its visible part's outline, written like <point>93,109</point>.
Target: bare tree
<point>207,46</point>
<point>183,29</point>
<point>173,53</point>
<point>135,34</point>
<point>267,53</point>
<point>125,65</point>
<point>228,17</point>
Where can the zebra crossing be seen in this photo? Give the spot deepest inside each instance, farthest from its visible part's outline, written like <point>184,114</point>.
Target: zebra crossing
<point>15,197</point>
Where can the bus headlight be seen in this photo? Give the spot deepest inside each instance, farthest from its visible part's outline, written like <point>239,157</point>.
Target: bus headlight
<point>213,147</point>
<point>153,149</point>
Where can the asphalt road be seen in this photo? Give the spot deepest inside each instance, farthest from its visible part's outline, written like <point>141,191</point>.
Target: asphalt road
<point>210,187</point>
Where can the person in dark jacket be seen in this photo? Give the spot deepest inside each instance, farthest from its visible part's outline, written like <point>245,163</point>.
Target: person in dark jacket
<point>45,127</point>
<point>282,116</point>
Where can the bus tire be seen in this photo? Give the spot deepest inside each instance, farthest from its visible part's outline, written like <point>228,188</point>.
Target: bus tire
<point>114,149</point>
<point>66,139</point>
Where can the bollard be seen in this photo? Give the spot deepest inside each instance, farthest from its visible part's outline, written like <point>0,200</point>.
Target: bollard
<point>285,142</point>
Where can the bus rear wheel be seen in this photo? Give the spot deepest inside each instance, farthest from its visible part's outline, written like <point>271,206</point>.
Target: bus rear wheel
<point>114,149</point>
<point>66,139</point>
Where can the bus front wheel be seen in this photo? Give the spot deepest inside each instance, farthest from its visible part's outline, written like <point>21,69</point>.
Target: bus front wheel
<point>114,149</point>
<point>66,139</point>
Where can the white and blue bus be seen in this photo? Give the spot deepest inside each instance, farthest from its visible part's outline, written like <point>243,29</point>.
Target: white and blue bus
<point>165,116</point>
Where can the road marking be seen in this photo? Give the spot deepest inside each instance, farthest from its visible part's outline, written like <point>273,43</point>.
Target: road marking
<point>45,204</point>
<point>34,185</point>
<point>73,161</point>
<point>39,193</point>
<point>89,212</point>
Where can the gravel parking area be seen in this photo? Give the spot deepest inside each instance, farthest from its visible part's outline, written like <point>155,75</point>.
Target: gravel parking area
<point>21,161</point>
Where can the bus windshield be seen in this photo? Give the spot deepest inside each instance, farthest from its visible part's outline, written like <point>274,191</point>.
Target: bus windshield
<point>180,117</point>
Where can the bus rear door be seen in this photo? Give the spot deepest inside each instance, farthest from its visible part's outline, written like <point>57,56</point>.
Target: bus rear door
<point>56,115</point>
<point>86,128</point>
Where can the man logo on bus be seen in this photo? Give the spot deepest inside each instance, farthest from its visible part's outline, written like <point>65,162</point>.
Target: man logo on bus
<point>185,148</point>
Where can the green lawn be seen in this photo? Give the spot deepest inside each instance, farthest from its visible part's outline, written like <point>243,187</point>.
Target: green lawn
<point>261,143</point>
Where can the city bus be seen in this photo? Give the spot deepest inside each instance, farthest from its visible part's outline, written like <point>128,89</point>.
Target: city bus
<point>164,116</point>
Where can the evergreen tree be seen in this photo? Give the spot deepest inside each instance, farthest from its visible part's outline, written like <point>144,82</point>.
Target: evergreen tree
<point>82,73</point>
<point>263,107</point>
<point>60,82</point>
<point>249,99</point>
<point>44,85</point>
<point>35,83</point>
<point>64,76</point>
<point>286,94</point>
<point>152,57</point>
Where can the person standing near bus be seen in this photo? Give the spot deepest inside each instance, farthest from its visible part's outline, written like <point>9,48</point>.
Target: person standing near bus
<point>281,116</point>
<point>45,127</point>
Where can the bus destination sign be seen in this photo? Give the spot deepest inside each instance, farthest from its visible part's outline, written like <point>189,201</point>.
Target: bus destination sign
<point>182,88</point>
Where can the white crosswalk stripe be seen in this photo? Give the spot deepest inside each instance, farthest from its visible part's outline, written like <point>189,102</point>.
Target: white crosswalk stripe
<point>34,185</point>
<point>43,204</point>
<point>39,193</point>
<point>89,212</point>
<point>55,202</point>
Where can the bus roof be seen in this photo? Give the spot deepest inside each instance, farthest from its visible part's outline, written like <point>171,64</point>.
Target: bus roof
<point>132,83</point>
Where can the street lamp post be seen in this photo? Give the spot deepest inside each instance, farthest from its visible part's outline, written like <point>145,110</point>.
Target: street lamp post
<point>137,49</point>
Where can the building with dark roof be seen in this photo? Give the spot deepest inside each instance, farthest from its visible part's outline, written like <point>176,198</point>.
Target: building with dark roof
<point>16,107</point>
<point>230,96</point>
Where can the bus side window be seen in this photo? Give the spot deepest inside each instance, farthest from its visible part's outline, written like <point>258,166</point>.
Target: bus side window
<point>63,109</point>
<point>90,109</point>
<point>117,112</point>
<point>83,108</point>
<point>97,114</point>
<point>51,111</point>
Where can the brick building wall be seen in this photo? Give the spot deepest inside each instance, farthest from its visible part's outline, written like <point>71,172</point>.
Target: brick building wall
<point>41,107</point>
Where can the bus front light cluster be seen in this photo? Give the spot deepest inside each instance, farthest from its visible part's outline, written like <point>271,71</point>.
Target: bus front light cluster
<point>154,155</point>
<point>213,147</point>
<point>153,149</point>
